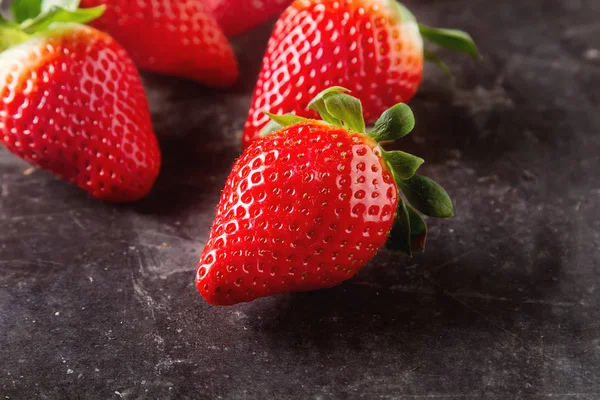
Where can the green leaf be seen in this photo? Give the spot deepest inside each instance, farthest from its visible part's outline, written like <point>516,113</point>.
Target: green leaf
<point>10,34</point>
<point>70,5</point>
<point>286,119</point>
<point>25,9</point>
<point>57,14</point>
<point>318,104</point>
<point>269,128</point>
<point>347,109</point>
<point>403,164</point>
<point>418,230</point>
<point>427,196</point>
<point>400,236</point>
<point>394,123</point>
<point>279,121</point>
<point>451,39</point>
<point>433,58</point>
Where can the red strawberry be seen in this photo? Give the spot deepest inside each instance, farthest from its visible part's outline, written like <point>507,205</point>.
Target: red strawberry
<point>237,16</point>
<point>173,37</point>
<point>73,104</point>
<point>309,205</point>
<point>373,47</point>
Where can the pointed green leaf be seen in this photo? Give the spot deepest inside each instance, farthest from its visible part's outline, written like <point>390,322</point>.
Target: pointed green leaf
<point>403,164</point>
<point>433,58</point>
<point>70,5</point>
<point>400,236</point>
<point>418,230</point>
<point>427,196</point>
<point>279,121</point>
<point>25,9</point>
<point>394,123</point>
<point>57,14</point>
<point>10,34</point>
<point>269,128</point>
<point>286,119</point>
<point>451,39</point>
<point>318,104</point>
<point>347,109</point>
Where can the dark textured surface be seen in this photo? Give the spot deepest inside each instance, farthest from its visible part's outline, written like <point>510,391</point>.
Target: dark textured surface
<point>98,301</point>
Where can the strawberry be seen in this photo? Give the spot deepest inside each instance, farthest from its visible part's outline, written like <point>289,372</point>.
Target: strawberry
<point>237,16</point>
<point>373,47</point>
<point>73,103</point>
<point>173,37</point>
<point>311,203</point>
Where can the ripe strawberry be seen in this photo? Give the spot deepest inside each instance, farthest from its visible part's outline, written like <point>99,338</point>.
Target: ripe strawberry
<point>310,204</point>
<point>373,47</point>
<point>73,104</point>
<point>237,16</point>
<point>173,37</point>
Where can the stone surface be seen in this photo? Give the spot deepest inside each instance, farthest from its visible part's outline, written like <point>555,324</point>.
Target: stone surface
<point>98,301</point>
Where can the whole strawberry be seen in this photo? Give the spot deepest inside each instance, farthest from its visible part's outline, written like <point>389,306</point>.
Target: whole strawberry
<point>173,37</point>
<point>237,16</point>
<point>373,47</point>
<point>311,203</point>
<point>73,103</point>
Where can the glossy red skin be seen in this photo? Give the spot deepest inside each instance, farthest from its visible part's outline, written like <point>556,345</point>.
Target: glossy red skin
<point>73,104</point>
<point>304,208</point>
<point>173,37</point>
<point>238,16</point>
<point>362,45</point>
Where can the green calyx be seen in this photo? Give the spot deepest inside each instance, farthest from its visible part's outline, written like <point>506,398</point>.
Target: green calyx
<point>452,39</point>
<point>416,194</point>
<point>30,17</point>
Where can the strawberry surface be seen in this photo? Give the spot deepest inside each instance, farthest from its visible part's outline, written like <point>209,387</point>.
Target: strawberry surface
<point>174,37</point>
<point>73,104</point>
<point>372,47</point>
<point>364,45</point>
<point>302,209</point>
<point>237,16</point>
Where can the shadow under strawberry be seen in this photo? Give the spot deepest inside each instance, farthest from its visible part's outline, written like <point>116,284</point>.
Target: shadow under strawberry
<point>462,310</point>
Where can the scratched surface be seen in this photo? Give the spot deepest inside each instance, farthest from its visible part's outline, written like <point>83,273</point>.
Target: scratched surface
<point>98,301</point>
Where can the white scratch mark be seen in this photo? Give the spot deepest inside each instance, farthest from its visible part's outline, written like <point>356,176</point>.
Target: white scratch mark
<point>16,218</point>
<point>77,222</point>
<point>484,100</point>
<point>591,54</point>
<point>483,296</point>
<point>585,30</point>
<point>27,262</point>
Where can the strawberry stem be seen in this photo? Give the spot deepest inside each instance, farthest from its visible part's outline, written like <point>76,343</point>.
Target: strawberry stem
<point>318,104</point>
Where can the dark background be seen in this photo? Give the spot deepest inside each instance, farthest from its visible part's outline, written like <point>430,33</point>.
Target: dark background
<point>98,301</point>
